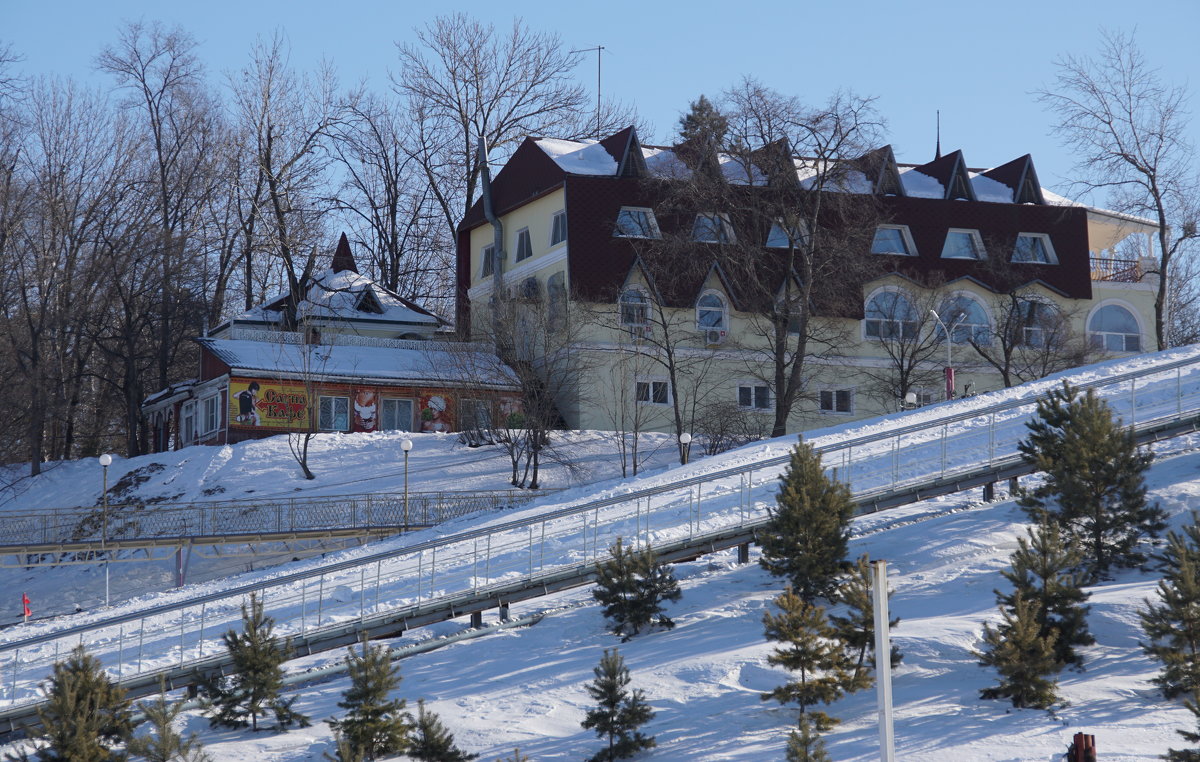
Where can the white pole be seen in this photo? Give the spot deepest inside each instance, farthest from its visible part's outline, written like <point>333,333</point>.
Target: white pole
<point>883,663</point>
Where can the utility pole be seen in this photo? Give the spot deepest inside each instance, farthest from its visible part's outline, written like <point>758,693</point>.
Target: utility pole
<point>883,662</point>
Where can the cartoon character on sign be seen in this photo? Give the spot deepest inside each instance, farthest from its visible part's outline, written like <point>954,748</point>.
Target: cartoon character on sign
<point>434,416</point>
<point>366,407</point>
<point>247,405</point>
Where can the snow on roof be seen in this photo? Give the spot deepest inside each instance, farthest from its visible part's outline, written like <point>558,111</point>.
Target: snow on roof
<point>340,294</point>
<point>579,158</point>
<point>441,363</point>
<point>1057,200</point>
<point>920,185</point>
<point>987,189</point>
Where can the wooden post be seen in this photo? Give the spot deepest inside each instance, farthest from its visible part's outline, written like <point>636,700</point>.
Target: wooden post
<point>883,663</point>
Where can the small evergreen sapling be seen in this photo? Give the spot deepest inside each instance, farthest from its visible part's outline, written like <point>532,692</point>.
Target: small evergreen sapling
<point>633,586</point>
<point>619,712</point>
<point>164,743</point>
<point>1023,656</point>
<point>86,715</point>
<point>1095,479</point>
<point>806,540</point>
<point>810,649</point>
<point>374,725</point>
<point>856,628</point>
<point>432,742</point>
<point>1041,573</point>
<point>253,690</point>
<point>805,744</point>
<point>1188,755</point>
<point>1173,624</point>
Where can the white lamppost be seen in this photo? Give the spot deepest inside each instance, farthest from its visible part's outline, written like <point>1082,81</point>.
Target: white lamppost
<point>105,462</point>
<point>406,445</point>
<point>685,441</point>
<point>949,349</point>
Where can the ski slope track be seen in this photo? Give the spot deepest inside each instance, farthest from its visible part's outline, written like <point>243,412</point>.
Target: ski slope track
<point>488,560</point>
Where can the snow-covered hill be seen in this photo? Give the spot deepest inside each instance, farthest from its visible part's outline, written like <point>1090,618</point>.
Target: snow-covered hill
<point>525,687</point>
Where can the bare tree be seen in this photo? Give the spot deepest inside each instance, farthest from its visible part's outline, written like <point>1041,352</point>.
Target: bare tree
<point>1031,338</point>
<point>794,166</point>
<point>286,120</point>
<point>899,323</point>
<point>393,209</point>
<point>1129,129</point>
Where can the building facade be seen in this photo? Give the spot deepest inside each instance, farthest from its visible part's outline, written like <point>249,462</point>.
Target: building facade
<point>668,288</point>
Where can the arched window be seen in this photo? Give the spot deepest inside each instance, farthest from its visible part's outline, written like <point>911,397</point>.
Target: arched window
<point>710,312</point>
<point>1115,329</point>
<point>890,315</point>
<point>1036,323</point>
<point>967,321</point>
<point>634,307</point>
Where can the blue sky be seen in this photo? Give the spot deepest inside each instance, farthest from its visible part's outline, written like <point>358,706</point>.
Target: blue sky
<point>977,62</point>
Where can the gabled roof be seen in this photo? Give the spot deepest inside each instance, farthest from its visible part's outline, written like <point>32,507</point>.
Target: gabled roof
<point>950,174</point>
<point>879,166</point>
<point>1020,178</point>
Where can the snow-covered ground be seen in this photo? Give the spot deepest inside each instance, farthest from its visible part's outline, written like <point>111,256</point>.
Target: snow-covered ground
<point>525,687</point>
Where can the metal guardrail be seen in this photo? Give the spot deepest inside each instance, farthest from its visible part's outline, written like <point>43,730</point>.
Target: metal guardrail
<point>132,525</point>
<point>1164,393</point>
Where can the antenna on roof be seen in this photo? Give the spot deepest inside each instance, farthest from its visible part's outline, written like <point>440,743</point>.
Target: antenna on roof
<point>938,150</point>
<point>598,49</point>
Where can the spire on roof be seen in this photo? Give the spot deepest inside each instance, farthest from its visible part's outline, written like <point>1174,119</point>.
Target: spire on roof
<point>342,258</point>
<point>938,151</point>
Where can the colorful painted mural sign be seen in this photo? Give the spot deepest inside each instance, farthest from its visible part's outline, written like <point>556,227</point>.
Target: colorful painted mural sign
<point>265,404</point>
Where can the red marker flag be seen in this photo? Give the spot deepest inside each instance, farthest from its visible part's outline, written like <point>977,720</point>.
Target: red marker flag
<point>25,604</point>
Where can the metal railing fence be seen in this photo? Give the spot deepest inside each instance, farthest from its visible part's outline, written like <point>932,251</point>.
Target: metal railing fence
<point>895,457</point>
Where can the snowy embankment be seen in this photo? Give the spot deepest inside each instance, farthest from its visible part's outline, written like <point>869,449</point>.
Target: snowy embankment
<point>527,688</point>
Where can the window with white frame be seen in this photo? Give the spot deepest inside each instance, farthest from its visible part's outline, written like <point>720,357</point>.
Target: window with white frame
<point>209,417</point>
<point>967,321</point>
<point>396,414</point>
<point>1115,329</point>
<point>712,228</point>
<point>187,423</point>
<point>893,239</point>
<point>840,401</point>
<point>784,236</point>
<point>524,245</point>
<point>487,261</point>
<point>634,308</point>
<point>1034,248</point>
<point>1035,323</point>
<point>710,312</point>
<point>962,244</point>
<point>652,391</point>
<point>636,222</point>
<point>754,396</point>
<point>334,414</point>
<point>890,315</point>
<point>558,227</point>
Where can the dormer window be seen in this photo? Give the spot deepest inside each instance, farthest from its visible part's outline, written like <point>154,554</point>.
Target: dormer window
<point>710,312</point>
<point>893,239</point>
<point>1034,248</point>
<point>487,266</point>
<point>369,303</point>
<point>524,247</point>
<point>634,308</point>
<point>786,237</point>
<point>558,227</point>
<point>635,222</point>
<point>962,244</point>
<point>712,228</point>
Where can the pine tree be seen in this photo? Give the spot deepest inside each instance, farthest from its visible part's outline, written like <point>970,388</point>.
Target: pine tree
<point>702,133</point>
<point>86,715</point>
<point>1173,624</point>
<point>633,586</point>
<point>1023,656</point>
<point>807,537</point>
<point>1095,479</point>
<point>432,742</point>
<point>856,629</point>
<point>517,756</point>
<point>1041,573</point>
<point>811,650</point>
<point>1188,755</point>
<point>805,744</point>
<point>253,690</point>
<point>619,712</point>
<point>374,726</point>
<point>164,743</point>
